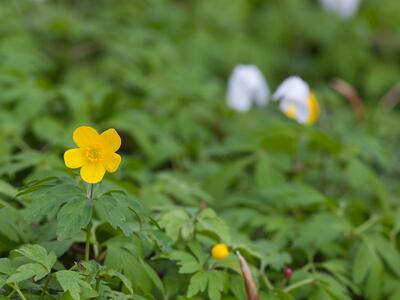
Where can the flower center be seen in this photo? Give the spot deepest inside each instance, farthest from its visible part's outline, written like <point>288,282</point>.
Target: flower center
<point>93,154</point>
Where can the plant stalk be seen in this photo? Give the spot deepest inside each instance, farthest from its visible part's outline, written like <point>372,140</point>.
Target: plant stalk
<point>20,294</point>
<point>89,226</point>
<point>299,284</point>
<point>46,284</point>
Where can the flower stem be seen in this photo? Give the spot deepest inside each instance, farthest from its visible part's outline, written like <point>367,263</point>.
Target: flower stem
<point>89,226</point>
<point>16,288</point>
<point>266,280</point>
<point>366,225</point>
<point>46,284</point>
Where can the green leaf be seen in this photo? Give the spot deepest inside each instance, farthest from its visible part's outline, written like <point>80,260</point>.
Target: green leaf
<point>266,172</point>
<point>47,199</point>
<point>280,295</point>
<point>121,277</point>
<point>152,275</point>
<point>27,271</point>
<point>218,183</point>
<point>213,280</point>
<point>387,252</point>
<point>13,226</point>
<point>173,222</point>
<point>209,222</point>
<point>216,282</point>
<point>73,283</point>
<point>110,210</point>
<point>188,263</point>
<point>7,189</point>
<point>38,254</point>
<point>198,283</point>
<point>362,263</point>
<point>292,195</point>
<point>73,217</point>
<point>6,266</point>
<point>124,254</point>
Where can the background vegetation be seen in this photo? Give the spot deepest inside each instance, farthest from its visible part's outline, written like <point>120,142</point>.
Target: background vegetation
<point>323,200</point>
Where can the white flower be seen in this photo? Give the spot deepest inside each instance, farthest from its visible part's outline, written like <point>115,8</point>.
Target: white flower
<point>296,100</point>
<point>247,86</point>
<point>344,8</point>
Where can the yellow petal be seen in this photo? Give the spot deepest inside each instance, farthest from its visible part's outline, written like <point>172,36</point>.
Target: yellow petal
<point>85,136</point>
<point>111,162</point>
<point>313,109</point>
<point>111,140</point>
<point>74,158</point>
<point>92,172</point>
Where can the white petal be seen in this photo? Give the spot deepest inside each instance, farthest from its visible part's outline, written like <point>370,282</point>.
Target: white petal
<point>247,85</point>
<point>292,89</point>
<point>301,110</point>
<point>302,113</point>
<point>343,8</point>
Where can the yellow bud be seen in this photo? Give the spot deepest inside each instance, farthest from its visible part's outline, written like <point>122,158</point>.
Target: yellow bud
<point>220,251</point>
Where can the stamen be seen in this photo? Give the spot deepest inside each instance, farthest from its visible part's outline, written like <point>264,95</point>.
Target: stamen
<point>93,154</point>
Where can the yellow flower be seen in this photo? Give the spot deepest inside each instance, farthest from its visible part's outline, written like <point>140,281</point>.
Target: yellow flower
<point>96,153</point>
<point>219,251</point>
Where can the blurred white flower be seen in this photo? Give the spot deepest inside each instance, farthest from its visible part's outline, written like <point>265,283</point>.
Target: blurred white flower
<point>247,86</point>
<point>296,100</point>
<point>344,8</point>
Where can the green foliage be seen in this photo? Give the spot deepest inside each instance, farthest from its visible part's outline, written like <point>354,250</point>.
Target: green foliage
<point>322,199</point>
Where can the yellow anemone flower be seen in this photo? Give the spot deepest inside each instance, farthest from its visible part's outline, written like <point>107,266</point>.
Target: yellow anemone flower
<point>220,251</point>
<point>96,153</point>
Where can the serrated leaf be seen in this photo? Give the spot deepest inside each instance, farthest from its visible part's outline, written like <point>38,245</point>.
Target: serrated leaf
<point>38,254</point>
<point>73,283</point>
<point>216,282</point>
<point>173,221</point>
<point>112,212</point>
<point>27,271</point>
<point>208,221</point>
<point>73,217</point>
<point>47,200</point>
<point>188,263</point>
<point>197,284</point>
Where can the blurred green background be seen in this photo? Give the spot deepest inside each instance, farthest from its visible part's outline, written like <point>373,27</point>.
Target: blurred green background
<point>325,196</point>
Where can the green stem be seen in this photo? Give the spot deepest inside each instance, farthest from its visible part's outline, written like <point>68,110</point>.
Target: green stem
<point>266,280</point>
<point>97,283</point>
<point>46,284</point>
<point>16,288</point>
<point>89,226</point>
<point>299,284</point>
<point>366,225</point>
<point>10,294</point>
